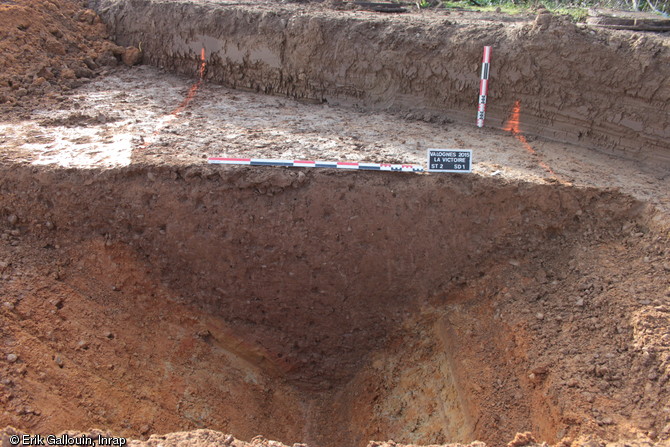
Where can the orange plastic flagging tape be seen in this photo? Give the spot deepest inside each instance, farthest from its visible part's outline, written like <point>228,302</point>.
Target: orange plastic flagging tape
<point>513,126</point>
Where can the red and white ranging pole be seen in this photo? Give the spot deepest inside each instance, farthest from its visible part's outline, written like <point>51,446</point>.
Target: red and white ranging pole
<point>483,87</point>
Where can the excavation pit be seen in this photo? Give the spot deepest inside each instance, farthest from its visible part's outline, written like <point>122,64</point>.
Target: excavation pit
<point>307,306</point>
<point>145,292</point>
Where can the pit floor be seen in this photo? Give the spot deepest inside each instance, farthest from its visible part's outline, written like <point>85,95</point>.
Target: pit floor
<point>138,115</point>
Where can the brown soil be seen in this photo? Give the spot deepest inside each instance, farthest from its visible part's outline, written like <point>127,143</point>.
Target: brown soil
<point>594,87</point>
<point>146,292</point>
<point>48,47</point>
<point>322,312</point>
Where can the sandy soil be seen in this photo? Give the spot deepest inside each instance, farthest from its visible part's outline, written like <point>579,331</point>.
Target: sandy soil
<point>51,47</point>
<point>144,291</point>
<point>155,299</point>
<point>571,82</point>
<point>128,117</point>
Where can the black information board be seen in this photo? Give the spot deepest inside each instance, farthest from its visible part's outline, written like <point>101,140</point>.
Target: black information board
<point>449,160</point>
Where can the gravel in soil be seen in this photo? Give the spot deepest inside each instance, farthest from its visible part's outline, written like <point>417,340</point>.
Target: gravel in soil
<point>562,329</point>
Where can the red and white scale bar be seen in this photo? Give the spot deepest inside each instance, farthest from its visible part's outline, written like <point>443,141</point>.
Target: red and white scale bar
<point>483,87</point>
<point>316,164</point>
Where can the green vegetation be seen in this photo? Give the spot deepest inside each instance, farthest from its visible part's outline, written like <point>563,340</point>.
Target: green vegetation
<point>578,13</point>
<point>577,9</point>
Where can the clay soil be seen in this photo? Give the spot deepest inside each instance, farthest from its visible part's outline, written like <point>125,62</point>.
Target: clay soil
<point>148,295</point>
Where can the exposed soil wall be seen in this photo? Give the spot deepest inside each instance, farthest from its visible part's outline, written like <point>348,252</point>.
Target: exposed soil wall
<point>327,307</point>
<point>311,306</point>
<point>601,89</point>
<point>300,257</point>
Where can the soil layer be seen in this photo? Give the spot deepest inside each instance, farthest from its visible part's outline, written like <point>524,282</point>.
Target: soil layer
<point>330,308</point>
<point>144,292</point>
<point>49,47</point>
<point>594,87</point>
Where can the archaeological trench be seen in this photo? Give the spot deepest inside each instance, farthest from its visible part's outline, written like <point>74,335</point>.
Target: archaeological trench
<point>336,308</point>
